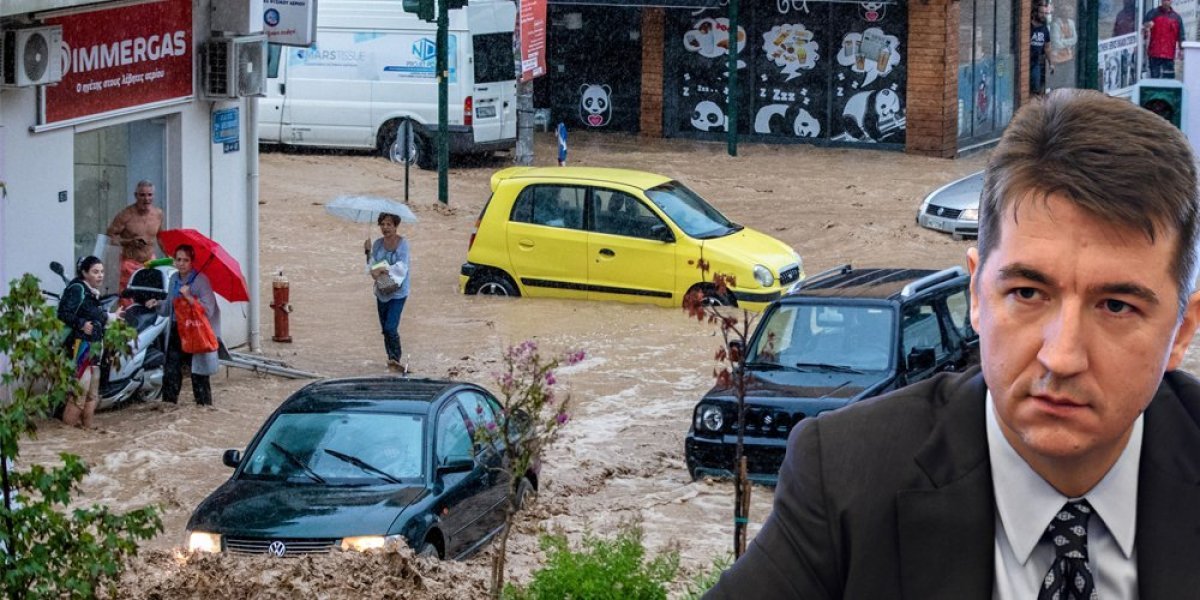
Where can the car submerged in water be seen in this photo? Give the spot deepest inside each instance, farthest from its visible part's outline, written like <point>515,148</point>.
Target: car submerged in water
<point>954,207</point>
<point>359,463</point>
<point>844,335</point>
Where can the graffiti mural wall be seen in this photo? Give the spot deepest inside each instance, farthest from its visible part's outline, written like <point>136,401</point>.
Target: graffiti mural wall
<point>832,71</point>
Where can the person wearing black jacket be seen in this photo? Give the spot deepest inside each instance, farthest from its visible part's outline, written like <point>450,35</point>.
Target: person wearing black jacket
<point>80,309</point>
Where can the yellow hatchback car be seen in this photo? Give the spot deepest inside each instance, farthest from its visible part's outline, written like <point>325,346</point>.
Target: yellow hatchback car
<point>616,234</point>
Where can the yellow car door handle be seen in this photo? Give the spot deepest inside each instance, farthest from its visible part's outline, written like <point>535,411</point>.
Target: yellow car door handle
<point>526,243</point>
<point>607,252</point>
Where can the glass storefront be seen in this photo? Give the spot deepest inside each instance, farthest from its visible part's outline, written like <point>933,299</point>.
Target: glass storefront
<point>987,62</point>
<point>108,164</point>
<point>833,71</point>
<point>595,68</point>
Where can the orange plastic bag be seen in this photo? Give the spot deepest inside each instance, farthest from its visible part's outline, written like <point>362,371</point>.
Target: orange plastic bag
<point>195,334</point>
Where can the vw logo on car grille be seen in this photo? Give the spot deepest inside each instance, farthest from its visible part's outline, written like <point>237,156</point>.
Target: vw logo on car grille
<point>277,548</point>
<point>941,210</point>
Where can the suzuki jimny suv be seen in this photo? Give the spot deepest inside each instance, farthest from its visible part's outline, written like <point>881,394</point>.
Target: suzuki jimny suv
<point>841,336</point>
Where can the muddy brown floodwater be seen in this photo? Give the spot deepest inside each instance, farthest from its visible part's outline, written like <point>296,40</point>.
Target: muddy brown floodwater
<point>619,459</point>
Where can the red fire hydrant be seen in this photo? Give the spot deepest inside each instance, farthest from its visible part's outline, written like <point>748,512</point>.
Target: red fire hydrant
<point>280,289</point>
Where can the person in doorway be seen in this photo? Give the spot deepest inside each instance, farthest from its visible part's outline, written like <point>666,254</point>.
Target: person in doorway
<point>1126,20</point>
<point>1063,37</point>
<point>1067,465</point>
<point>1039,59</point>
<point>80,309</point>
<point>387,261</point>
<point>192,285</point>
<point>134,229</point>
<point>1163,28</point>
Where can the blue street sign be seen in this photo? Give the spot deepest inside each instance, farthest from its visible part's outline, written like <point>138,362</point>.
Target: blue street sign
<point>562,144</point>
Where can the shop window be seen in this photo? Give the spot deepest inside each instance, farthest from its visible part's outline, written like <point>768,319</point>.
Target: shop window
<point>833,71</point>
<point>595,68</point>
<point>987,85</point>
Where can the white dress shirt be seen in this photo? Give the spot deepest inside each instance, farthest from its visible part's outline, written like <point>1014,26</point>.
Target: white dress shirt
<point>1025,504</point>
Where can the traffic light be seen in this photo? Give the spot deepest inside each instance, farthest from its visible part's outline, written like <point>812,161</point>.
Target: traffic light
<point>1163,97</point>
<point>422,8</point>
<point>427,9</point>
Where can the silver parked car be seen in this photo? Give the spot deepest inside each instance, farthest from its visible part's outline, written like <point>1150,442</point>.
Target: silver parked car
<point>954,207</point>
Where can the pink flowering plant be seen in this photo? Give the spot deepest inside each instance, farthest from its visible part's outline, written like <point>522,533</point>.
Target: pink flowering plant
<point>533,411</point>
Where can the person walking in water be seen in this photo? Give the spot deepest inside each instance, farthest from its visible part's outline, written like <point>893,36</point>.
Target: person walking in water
<point>388,263</point>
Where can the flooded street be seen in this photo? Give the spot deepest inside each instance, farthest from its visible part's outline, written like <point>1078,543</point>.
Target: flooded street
<point>621,456</point>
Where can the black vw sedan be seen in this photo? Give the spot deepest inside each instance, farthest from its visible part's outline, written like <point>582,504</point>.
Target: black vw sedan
<point>358,463</point>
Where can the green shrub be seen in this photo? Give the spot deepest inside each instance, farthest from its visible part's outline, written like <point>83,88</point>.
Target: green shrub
<point>52,550</point>
<point>706,579</point>
<point>604,569</point>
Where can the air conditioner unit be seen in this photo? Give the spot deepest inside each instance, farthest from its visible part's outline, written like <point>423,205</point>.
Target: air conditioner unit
<point>31,56</point>
<point>235,67</point>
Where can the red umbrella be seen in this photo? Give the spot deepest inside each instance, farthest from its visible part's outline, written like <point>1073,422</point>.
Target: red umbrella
<point>222,270</point>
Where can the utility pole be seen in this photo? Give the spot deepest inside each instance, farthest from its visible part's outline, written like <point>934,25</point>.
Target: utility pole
<point>523,153</point>
<point>443,26</point>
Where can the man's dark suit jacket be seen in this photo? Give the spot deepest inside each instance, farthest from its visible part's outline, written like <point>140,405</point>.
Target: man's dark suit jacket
<point>892,498</point>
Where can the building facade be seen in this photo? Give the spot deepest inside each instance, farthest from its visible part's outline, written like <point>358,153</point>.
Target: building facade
<point>128,107</point>
<point>933,77</point>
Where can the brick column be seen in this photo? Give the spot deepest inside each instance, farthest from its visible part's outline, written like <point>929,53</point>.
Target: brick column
<point>932,88</point>
<point>1024,18</point>
<point>653,49</point>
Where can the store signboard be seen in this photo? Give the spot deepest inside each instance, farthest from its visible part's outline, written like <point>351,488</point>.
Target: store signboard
<point>290,22</point>
<point>533,39</point>
<point>120,58</point>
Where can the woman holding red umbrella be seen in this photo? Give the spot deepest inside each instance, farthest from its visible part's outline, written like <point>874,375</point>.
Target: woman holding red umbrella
<point>193,286</point>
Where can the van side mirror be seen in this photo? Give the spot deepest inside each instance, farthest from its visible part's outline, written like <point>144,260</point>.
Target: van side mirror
<point>661,233</point>
<point>455,464</point>
<point>232,458</point>
<point>920,359</point>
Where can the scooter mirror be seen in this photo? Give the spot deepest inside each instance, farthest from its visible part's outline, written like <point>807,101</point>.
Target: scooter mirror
<point>57,268</point>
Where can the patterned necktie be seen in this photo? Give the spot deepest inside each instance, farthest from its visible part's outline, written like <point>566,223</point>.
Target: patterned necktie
<point>1069,577</point>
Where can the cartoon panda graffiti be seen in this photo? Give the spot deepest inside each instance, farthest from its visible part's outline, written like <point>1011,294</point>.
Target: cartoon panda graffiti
<point>782,119</point>
<point>873,116</point>
<point>595,104</point>
<point>708,116</point>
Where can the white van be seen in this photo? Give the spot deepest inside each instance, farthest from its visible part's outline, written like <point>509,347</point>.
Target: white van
<point>372,68</point>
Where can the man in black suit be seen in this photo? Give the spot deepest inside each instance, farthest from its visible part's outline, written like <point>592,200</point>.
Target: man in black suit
<point>1068,465</point>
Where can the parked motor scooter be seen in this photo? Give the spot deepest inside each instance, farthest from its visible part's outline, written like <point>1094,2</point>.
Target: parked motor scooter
<point>139,376</point>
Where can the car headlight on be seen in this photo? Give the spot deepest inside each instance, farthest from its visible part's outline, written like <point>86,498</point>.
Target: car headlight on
<point>710,418</point>
<point>970,214</point>
<point>362,543</point>
<point>763,276</point>
<point>202,541</point>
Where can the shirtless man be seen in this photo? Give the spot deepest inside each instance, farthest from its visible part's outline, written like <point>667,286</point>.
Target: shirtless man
<point>134,229</point>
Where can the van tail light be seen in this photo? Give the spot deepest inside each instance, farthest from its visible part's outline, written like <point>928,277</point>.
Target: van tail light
<point>468,111</point>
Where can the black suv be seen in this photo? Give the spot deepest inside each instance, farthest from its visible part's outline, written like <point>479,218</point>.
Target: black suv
<point>840,336</point>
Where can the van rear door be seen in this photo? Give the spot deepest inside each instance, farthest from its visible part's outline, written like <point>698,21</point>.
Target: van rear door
<point>494,90</point>
<point>270,109</point>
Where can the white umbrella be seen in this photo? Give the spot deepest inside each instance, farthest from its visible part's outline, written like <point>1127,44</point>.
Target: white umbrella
<point>366,209</point>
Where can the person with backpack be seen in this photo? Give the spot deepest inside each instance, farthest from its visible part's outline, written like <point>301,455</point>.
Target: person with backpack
<point>80,309</point>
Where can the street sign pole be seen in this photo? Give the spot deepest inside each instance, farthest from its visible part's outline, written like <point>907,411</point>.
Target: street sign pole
<point>443,25</point>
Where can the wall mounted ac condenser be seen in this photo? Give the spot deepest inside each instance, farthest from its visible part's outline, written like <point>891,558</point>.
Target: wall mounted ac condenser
<point>235,67</point>
<point>31,56</point>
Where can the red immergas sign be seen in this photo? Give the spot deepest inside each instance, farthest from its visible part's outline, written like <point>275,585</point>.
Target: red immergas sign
<point>122,57</point>
<point>533,39</point>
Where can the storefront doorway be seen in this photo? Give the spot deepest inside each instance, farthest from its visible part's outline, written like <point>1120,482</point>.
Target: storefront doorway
<point>987,89</point>
<point>109,162</point>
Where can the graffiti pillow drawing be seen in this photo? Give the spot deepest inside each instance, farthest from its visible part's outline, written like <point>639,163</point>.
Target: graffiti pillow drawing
<point>595,105</point>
